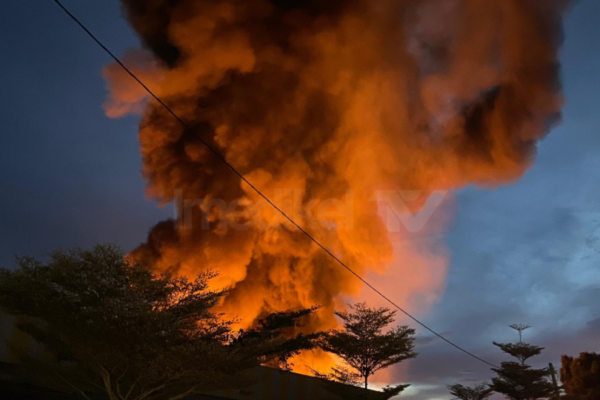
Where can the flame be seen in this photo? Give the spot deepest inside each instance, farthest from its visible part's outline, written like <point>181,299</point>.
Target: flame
<point>320,104</point>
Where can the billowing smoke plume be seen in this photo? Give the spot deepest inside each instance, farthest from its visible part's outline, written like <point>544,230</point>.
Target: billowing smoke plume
<point>328,101</point>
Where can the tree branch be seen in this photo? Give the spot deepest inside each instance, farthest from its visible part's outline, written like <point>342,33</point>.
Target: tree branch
<point>131,387</point>
<point>186,394</point>
<point>81,392</point>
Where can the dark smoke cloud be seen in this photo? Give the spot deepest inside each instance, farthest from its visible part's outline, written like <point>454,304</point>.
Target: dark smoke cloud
<point>329,98</point>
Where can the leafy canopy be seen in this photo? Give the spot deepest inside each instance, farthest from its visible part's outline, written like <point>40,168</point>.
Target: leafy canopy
<point>479,392</point>
<point>581,376</point>
<point>517,380</point>
<point>111,325</point>
<point>365,345</point>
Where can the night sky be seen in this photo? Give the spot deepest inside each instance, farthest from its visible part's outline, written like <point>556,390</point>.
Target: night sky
<point>526,253</point>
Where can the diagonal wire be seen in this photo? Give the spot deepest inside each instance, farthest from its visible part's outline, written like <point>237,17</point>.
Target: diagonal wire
<point>235,171</point>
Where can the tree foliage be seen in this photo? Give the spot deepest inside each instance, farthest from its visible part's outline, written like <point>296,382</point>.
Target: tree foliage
<point>350,380</point>
<point>479,392</point>
<point>365,345</point>
<point>341,382</point>
<point>340,374</point>
<point>517,380</point>
<point>110,325</point>
<point>277,337</point>
<point>581,376</point>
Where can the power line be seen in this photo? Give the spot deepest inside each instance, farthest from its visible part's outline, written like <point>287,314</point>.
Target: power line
<point>235,171</point>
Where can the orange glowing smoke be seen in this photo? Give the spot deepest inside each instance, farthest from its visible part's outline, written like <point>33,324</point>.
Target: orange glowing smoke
<point>326,101</point>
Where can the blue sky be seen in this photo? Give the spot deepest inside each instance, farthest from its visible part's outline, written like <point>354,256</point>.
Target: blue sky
<point>70,176</point>
<point>523,253</point>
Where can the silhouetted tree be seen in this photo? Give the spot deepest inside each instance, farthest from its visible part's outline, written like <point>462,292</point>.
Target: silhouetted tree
<point>479,392</point>
<point>517,380</point>
<point>110,325</point>
<point>342,383</point>
<point>365,345</point>
<point>340,374</point>
<point>520,328</point>
<point>581,376</point>
<point>350,380</point>
<point>277,338</point>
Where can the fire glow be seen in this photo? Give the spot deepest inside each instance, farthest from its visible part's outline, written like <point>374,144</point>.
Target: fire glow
<point>319,99</point>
